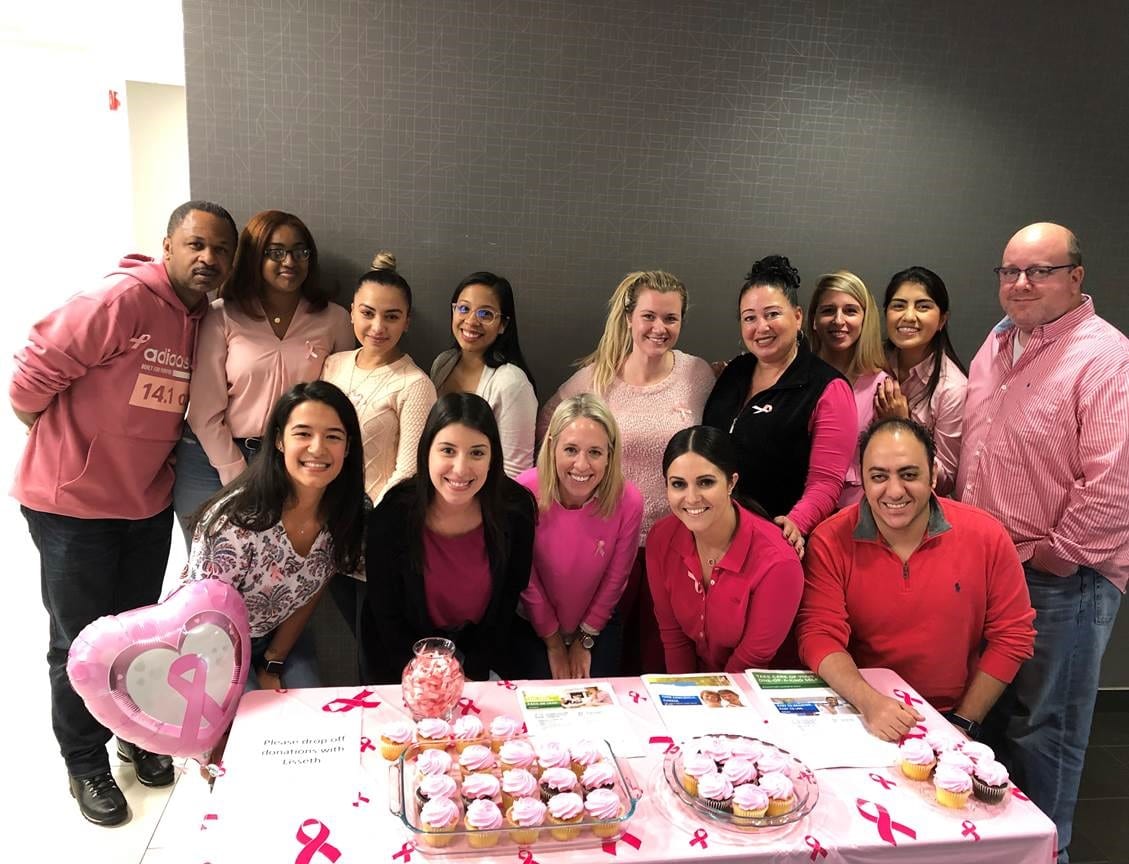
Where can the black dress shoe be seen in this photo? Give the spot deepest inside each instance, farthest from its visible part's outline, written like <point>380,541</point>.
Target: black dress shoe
<point>100,799</point>
<point>152,769</point>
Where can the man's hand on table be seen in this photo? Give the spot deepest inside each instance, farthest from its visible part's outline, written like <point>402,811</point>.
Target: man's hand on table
<point>888,718</point>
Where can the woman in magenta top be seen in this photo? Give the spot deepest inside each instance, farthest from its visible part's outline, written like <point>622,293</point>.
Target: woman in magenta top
<point>587,538</point>
<point>449,550</point>
<point>745,579</point>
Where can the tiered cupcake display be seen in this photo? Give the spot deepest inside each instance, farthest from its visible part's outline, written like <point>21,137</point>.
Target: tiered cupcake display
<point>473,785</point>
<point>958,769</point>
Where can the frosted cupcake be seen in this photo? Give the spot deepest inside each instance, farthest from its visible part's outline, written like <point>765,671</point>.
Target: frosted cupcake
<point>502,729</point>
<point>477,759</point>
<point>718,749</point>
<point>552,754</point>
<point>990,781</point>
<point>436,786</point>
<point>781,793</point>
<point>774,762</point>
<point>394,739</point>
<point>518,783</point>
<point>694,766</point>
<point>565,812</point>
<point>483,821</point>
<point>517,754</point>
<point>525,817</point>
<point>745,748</point>
<point>481,786</point>
<point>557,780</point>
<point>438,819</point>
<point>433,734</point>
<point>583,755</point>
<point>916,759</point>
<point>715,792</point>
<point>598,776</point>
<point>469,730</point>
<point>604,806</point>
<point>739,770</point>
<point>977,752</point>
<point>941,740</point>
<point>956,759</point>
<point>750,801</point>
<point>952,786</point>
<point>431,762</point>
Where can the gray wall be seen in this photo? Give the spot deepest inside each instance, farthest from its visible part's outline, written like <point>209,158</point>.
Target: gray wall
<point>564,144</point>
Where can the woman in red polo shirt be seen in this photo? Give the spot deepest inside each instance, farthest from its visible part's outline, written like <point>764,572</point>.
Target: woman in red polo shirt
<point>725,582</point>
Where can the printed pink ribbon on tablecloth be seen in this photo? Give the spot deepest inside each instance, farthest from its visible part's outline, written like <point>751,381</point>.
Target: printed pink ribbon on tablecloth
<point>918,731</point>
<point>807,775</point>
<point>969,830</point>
<point>198,703</point>
<point>628,838</point>
<point>208,817</point>
<point>313,845</point>
<point>671,747</point>
<point>636,697</point>
<point>886,784</point>
<point>348,703</point>
<point>699,838</point>
<point>366,743</point>
<point>405,852</point>
<point>526,857</point>
<point>815,846</point>
<point>361,799</point>
<point>1019,794</point>
<point>509,685</point>
<point>908,698</point>
<point>884,822</point>
<point>467,705</point>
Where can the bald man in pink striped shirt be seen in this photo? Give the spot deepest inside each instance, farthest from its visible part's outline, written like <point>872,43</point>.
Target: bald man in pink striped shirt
<point>1046,452</point>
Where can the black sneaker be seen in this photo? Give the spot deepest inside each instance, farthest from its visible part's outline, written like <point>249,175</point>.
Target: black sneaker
<point>152,769</point>
<point>100,799</point>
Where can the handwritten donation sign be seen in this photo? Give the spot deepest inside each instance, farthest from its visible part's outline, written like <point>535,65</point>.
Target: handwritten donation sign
<point>302,750</point>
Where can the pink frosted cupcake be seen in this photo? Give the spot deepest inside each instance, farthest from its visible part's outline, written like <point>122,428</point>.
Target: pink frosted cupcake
<point>517,754</point>
<point>552,754</point>
<point>956,759</point>
<point>565,812</point>
<point>432,762</point>
<point>718,749</point>
<point>774,762</point>
<point>604,806</point>
<point>694,767</point>
<point>477,787</point>
<point>525,818</point>
<point>518,783</point>
<point>745,748</point>
<point>941,740</point>
<point>583,755</point>
<point>477,759</point>
<point>781,793</point>
<point>598,776</point>
<point>977,752</point>
<point>436,786</point>
<point>502,729</point>
<point>469,730</point>
<point>715,792</point>
<point>916,759</point>
<point>749,801</point>
<point>438,819</point>
<point>557,780</point>
<point>739,771</point>
<point>990,781</point>
<point>433,734</point>
<point>952,786</point>
<point>395,738</point>
<point>484,823</point>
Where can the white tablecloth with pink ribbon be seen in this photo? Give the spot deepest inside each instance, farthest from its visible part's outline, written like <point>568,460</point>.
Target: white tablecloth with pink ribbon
<point>307,815</point>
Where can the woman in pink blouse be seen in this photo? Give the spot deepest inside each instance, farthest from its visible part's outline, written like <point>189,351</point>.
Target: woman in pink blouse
<point>930,381</point>
<point>286,525</point>
<point>843,329</point>
<point>272,327</point>
<point>586,542</point>
<point>725,581</point>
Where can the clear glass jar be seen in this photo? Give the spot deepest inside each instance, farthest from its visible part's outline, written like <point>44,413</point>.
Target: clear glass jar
<point>433,679</point>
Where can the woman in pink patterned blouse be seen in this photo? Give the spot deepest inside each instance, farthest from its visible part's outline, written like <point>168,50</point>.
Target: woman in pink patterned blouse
<point>286,525</point>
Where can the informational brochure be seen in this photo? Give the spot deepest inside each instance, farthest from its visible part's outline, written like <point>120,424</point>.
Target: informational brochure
<point>585,709</point>
<point>705,704</point>
<point>815,723</point>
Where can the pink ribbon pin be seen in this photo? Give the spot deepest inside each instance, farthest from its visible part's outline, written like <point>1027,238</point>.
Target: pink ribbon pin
<point>908,698</point>
<point>361,799</point>
<point>600,548</point>
<point>636,697</point>
<point>311,350</point>
<point>188,676</point>
<point>886,824</point>
<point>405,852</point>
<point>509,685</point>
<point>671,747</point>
<point>467,704</point>
<point>886,784</point>
<point>815,846</point>
<point>366,743</point>
<point>699,838</point>
<point>349,703</point>
<point>313,845</point>
<point>969,831</point>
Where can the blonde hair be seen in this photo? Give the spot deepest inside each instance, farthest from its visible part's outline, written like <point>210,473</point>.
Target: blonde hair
<point>383,260</point>
<point>867,355</point>
<point>610,490</point>
<point>615,344</point>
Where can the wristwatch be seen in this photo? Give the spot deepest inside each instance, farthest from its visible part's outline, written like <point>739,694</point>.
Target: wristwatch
<point>970,727</point>
<point>275,667</point>
<point>587,640</point>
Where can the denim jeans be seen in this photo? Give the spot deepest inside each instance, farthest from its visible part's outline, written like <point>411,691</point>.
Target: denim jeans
<point>1052,697</point>
<point>300,669</point>
<point>89,568</point>
<point>196,479</point>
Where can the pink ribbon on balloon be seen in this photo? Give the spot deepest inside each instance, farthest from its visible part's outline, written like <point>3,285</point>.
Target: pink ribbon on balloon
<point>969,830</point>
<point>815,846</point>
<point>313,845</point>
<point>199,704</point>
<point>405,852</point>
<point>885,822</point>
<point>349,703</point>
<point>908,698</point>
<point>699,838</point>
<point>636,697</point>
<point>467,705</point>
<point>886,784</point>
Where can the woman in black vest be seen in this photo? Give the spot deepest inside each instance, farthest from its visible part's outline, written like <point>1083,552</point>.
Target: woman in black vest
<point>791,415</point>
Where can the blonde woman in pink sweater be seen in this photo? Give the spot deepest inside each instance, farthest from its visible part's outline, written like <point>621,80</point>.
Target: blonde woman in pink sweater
<point>586,542</point>
<point>653,391</point>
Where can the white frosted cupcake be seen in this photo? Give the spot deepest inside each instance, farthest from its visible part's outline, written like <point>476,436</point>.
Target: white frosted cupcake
<point>518,783</point>
<point>484,823</point>
<point>745,748</point>
<point>774,762</point>
<point>749,801</point>
<point>502,729</point>
<point>604,806</point>
<point>481,786</point>
<point>469,730</point>
<point>952,786</point>
<point>477,759</point>
<point>598,776</point>
<point>715,792</point>
<point>557,780</point>
<point>739,770</point>
<point>432,762</point>
<point>565,812</point>
<point>552,754</point>
<point>583,755</point>
<point>956,759</point>
<point>525,818</point>
<point>781,793</point>
<point>916,759</point>
<point>695,766</point>
<point>438,819</point>
<point>436,786</point>
<point>395,738</point>
<point>716,748</point>
<point>977,752</point>
<point>517,754</point>
<point>433,733</point>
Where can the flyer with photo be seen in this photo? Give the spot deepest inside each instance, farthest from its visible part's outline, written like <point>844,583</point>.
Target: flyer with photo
<point>706,704</point>
<point>586,709</point>
<point>816,723</point>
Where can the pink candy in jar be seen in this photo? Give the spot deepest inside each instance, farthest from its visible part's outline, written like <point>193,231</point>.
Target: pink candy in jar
<point>433,679</point>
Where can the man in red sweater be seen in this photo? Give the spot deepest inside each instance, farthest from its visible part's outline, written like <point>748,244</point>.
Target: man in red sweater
<point>928,587</point>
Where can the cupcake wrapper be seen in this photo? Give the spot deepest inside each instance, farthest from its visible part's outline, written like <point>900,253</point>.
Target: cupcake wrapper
<point>525,836</point>
<point>955,800</point>
<point>988,794</point>
<point>749,814</point>
<point>723,806</point>
<point>606,831</point>
<point>917,772</point>
<point>562,831</point>
<point>779,806</point>
<point>392,751</point>
<point>482,839</point>
<point>690,784</point>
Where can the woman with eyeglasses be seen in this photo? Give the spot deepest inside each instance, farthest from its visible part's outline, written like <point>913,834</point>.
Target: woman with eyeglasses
<point>929,381</point>
<point>487,360</point>
<point>272,327</point>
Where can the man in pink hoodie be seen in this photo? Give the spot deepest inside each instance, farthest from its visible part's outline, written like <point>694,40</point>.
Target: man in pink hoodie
<point>102,386</point>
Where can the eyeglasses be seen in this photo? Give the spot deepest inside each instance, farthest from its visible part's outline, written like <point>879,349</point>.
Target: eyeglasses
<point>482,313</point>
<point>278,254</point>
<point>1008,275</point>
